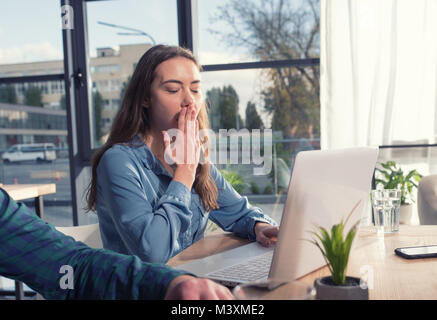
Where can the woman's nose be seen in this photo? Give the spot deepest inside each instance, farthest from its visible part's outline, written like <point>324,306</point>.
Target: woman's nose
<point>188,100</point>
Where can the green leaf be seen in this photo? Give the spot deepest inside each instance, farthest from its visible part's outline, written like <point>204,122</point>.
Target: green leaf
<point>335,249</point>
<point>325,257</point>
<point>388,165</point>
<point>348,242</point>
<point>417,177</point>
<point>379,181</point>
<point>385,173</point>
<point>410,175</point>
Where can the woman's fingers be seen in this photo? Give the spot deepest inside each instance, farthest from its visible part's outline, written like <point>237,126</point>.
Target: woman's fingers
<point>268,235</point>
<point>193,115</point>
<point>186,115</point>
<point>198,143</point>
<point>168,156</point>
<point>191,135</point>
<point>166,138</point>
<point>182,120</point>
<point>271,232</point>
<point>188,136</point>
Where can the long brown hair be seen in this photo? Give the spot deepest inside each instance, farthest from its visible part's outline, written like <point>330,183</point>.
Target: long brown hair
<point>133,119</point>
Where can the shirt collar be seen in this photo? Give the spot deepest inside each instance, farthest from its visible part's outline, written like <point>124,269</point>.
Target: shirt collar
<point>147,157</point>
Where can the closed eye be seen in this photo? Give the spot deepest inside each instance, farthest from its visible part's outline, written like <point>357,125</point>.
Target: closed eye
<point>172,90</point>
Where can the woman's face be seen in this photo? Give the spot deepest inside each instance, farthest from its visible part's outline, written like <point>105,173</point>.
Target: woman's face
<point>176,85</point>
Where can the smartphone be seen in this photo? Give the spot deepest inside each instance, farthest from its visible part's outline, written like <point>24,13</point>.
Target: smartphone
<point>417,252</point>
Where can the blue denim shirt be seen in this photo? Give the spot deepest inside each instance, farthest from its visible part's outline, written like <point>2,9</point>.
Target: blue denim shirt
<point>143,211</point>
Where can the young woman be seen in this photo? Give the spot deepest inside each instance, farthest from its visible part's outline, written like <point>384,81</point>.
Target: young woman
<point>151,200</point>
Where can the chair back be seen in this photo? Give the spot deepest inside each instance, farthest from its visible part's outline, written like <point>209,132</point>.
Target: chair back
<point>427,200</point>
<point>88,234</point>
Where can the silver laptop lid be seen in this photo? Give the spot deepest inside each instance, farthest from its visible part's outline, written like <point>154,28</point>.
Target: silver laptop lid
<point>323,189</point>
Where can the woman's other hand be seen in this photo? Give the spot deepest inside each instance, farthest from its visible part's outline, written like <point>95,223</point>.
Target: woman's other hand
<point>266,234</point>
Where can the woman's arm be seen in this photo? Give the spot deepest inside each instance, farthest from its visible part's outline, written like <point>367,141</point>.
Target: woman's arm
<point>235,213</point>
<point>148,223</point>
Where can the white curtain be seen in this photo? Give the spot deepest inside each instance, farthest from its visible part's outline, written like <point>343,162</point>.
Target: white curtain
<point>378,72</point>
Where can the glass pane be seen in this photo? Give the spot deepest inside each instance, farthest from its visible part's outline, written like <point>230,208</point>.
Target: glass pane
<point>285,100</point>
<point>119,32</point>
<point>40,53</point>
<point>251,30</point>
<point>34,148</point>
<point>33,121</point>
<point>46,94</point>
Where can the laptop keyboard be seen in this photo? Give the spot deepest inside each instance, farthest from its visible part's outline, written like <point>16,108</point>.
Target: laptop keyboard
<point>250,270</point>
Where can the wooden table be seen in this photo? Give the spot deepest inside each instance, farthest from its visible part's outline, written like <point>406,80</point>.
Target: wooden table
<point>29,191</point>
<point>372,257</point>
<point>23,192</point>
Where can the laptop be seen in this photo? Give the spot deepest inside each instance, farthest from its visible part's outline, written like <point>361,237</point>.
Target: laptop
<point>325,187</point>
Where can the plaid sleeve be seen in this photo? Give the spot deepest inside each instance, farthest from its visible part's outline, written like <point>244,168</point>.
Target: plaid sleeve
<point>34,252</point>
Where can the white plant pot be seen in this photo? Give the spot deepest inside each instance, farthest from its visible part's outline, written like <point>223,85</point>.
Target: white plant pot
<point>405,214</point>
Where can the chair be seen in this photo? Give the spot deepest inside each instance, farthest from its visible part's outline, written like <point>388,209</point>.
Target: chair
<point>88,234</point>
<point>8,289</point>
<point>427,200</point>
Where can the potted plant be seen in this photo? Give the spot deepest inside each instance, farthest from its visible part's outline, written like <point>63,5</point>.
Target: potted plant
<point>390,176</point>
<point>335,249</point>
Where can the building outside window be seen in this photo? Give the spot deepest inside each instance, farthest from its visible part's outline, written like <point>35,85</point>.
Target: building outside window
<point>27,124</point>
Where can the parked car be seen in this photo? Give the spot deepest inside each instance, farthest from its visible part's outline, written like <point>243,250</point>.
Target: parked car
<point>27,152</point>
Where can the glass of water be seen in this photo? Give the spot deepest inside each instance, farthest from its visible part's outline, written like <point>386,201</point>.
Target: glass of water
<point>386,205</point>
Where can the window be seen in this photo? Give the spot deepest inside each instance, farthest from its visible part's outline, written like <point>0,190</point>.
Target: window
<point>233,31</point>
<point>30,124</point>
<point>269,72</point>
<point>120,32</point>
<point>21,55</point>
<point>109,68</point>
<point>255,99</point>
<point>24,56</point>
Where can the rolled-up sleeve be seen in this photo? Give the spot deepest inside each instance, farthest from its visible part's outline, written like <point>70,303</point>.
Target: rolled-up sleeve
<point>149,232</point>
<point>235,213</point>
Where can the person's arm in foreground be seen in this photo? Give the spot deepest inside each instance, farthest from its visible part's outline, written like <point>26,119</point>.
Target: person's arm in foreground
<point>33,252</point>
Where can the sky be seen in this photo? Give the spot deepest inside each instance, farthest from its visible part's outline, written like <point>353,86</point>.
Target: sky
<point>31,31</point>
